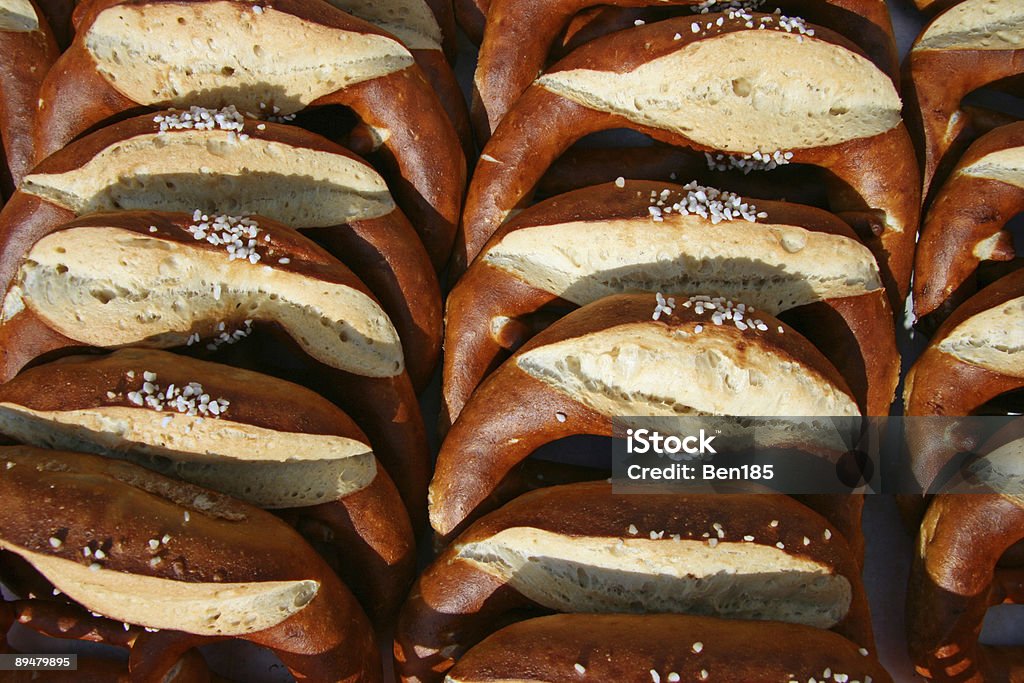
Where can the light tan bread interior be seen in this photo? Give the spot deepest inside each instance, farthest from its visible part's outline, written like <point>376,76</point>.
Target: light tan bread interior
<point>411,21</point>
<point>217,53</point>
<point>1006,165</point>
<point>208,609</point>
<point>772,267</point>
<point>263,467</point>
<point>215,171</point>
<point>992,339</point>
<point>723,93</point>
<point>600,574</point>
<point>653,370</point>
<point>110,287</point>
<point>977,25</point>
<point>1002,470</point>
<point>18,16</point>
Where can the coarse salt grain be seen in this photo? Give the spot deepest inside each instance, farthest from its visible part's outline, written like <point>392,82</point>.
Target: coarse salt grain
<point>662,305</point>
<point>580,669</point>
<point>715,6</point>
<point>200,118</point>
<point>706,202</point>
<point>237,234</point>
<point>633,531</point>
<point>746,163</point>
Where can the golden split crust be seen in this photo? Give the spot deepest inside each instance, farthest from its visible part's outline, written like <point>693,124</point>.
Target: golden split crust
<point>465,594</point>
<point>957,53</point>
<point>204,538</point>
<point>517,48</point>
<point>419,148</point>
<point>517,285</point>
<point>543,386</point>
<point>871,160</point>
<point>382,403</point>
<point>965,225</point>
<point>85,403</point>
<point>374,239</point>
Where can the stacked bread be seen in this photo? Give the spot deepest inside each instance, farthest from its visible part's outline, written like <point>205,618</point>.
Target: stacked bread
<point>222,231</point>
<point>220,254</point>
<point>671,279</point>
<point>969,292</point>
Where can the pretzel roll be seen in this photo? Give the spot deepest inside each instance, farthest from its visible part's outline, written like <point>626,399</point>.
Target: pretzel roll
<point>967,46</point>
<point>165,162</point>
<point>611,358</point>
<point>710,92</point>
<point>965,224</point>
<point>515,50</point>
<point>427,29</point>
<point>976,355</point>
<point>580,548</point>
<point>954,580</point>
<point>126,55</point>
<point>274,445</point>
<point>30,50</point>
<point>170,555</point>
<point>640,649</point>
<point>144,279</point>
<point>636,236</point>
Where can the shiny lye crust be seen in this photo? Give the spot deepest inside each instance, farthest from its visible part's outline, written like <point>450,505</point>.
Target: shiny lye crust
<point>976,355</point>
<point>612,358</point>
<point>263,583</point>
<point>965,225</point>
<point>967,46</point>
<point>851,129</point>
<point>23,32</point>
<point>268,442</point>
<point>511,58</point>
<point>628,648</point>
<point>579,247</point>
<point>298,178</point>
<point>955,579</point>
<point>122,60</point>
<point>580,548</point>
<point>142,278</point>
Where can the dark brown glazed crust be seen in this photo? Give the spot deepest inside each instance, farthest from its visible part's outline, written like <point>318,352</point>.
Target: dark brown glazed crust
<point>366,536</point>
<point>967,210</point>
<point>385,408</point>
<point>89,499</point>
<point>953,582</point>
<point>876,174</point>
<point>939,384</point>
<point>471,16</point>
<point>383,252</point>
<point>856,334</point>
<point>422,157</point>
<point>68,621</point>
<point>626,648</point>
<point>934,83</point>
<point>517,46</point>
<point>485,444</point>
<point>454,605</point>
<point>28,57</point>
